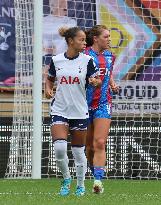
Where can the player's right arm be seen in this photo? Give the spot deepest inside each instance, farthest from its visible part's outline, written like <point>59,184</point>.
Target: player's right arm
<point>49,87</point>
<point>50,81</point>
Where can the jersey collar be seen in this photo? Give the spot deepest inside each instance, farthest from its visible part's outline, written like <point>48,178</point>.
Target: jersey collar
<point>105,52</point>
<point>65,55</point>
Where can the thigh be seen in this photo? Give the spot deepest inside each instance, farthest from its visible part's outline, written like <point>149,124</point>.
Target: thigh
<point>101,128</point>
<point>102,121</point>
<point>59,127</point>
<point>91,114</point>
<point>78,137</point>
<point>78,130</point>
<point>90,133</point>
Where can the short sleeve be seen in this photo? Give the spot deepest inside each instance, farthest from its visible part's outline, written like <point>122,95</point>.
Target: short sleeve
<point>92,70</point>
<point>52,71</point>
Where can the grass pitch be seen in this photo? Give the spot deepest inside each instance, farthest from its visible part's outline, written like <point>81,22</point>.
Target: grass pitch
<point>45,192</point>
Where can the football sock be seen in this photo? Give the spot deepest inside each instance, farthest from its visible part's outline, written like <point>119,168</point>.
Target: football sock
<point>60,148</point>
<point>98,172</point>
<point>80,163</point>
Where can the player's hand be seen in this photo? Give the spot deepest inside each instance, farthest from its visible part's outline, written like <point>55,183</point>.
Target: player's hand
<point>95,82</point>
<point>49,94</point>
<point>115,88</point>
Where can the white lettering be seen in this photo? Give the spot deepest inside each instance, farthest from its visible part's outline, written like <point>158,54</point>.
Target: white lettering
<point>138,91</point>
<point>7,12</point>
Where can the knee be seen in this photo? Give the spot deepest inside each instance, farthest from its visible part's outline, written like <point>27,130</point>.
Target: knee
<point>99,144</point>
<point>60,148</point>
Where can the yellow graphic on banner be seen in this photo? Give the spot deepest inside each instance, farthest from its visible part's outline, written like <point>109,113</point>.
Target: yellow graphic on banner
<point>120,37</point>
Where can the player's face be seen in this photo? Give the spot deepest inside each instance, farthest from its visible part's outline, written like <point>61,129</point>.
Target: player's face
<point>79,41</point>
<point>103,40</point>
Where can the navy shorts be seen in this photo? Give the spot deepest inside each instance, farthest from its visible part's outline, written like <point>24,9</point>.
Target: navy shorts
<point>104,111</point>
<point>74,124</point>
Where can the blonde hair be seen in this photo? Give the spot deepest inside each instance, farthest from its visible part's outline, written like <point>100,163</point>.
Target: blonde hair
<point>94,31</point>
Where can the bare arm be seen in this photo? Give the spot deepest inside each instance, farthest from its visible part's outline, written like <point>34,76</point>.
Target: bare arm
<point>49,87</point>
<point>95,81</point>
<point>113,85</point>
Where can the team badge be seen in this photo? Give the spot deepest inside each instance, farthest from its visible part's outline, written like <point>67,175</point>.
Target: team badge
<point>80,69</point>
<point>3,38</point>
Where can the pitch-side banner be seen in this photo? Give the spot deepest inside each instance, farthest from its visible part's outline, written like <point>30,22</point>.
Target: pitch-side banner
<point>133,34</point>
<point>138,97</point>
<point>7,41</point>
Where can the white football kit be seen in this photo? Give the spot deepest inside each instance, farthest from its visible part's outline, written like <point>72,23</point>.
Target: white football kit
<point>72,78</point>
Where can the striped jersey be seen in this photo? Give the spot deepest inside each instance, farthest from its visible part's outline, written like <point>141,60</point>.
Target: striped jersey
<point>72,79</point>
<point>102,95</point>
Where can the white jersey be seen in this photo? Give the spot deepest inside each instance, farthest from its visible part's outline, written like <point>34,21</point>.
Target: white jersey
<point>72,78</point>
<point>51,37</point>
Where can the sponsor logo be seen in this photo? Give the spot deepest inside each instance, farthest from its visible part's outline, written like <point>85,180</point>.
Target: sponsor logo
<point>3,38</point>
<point>69,80</point>
<point>104,71</point>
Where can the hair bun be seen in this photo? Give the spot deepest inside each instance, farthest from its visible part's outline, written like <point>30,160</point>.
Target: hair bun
<point>63,30</point>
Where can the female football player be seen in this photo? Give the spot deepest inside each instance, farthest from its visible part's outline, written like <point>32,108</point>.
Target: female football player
<point>99,102</point>
<point>69,109</point>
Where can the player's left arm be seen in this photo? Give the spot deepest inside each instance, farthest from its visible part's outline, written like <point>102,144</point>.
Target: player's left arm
<point>95,81</point>
<point>113,84</point>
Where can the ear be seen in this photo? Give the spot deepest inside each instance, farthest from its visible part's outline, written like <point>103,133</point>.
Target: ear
<point>70,40</point>
<point>95,39</point>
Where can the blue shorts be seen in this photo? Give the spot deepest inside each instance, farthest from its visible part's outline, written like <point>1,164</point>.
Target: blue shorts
<point>103,111</point>
<point>74,124</point>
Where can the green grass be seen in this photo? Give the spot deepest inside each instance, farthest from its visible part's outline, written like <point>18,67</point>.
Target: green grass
<point>45,192</point>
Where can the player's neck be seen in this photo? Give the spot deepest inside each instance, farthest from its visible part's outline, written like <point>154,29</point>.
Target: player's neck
<point>71,53</point>
<point>97,49</point>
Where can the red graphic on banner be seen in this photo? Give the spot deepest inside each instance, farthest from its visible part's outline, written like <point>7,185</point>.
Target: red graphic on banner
<point>151,4</point>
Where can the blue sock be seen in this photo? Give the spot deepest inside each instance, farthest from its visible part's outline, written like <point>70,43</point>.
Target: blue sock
<point>98,172</point>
